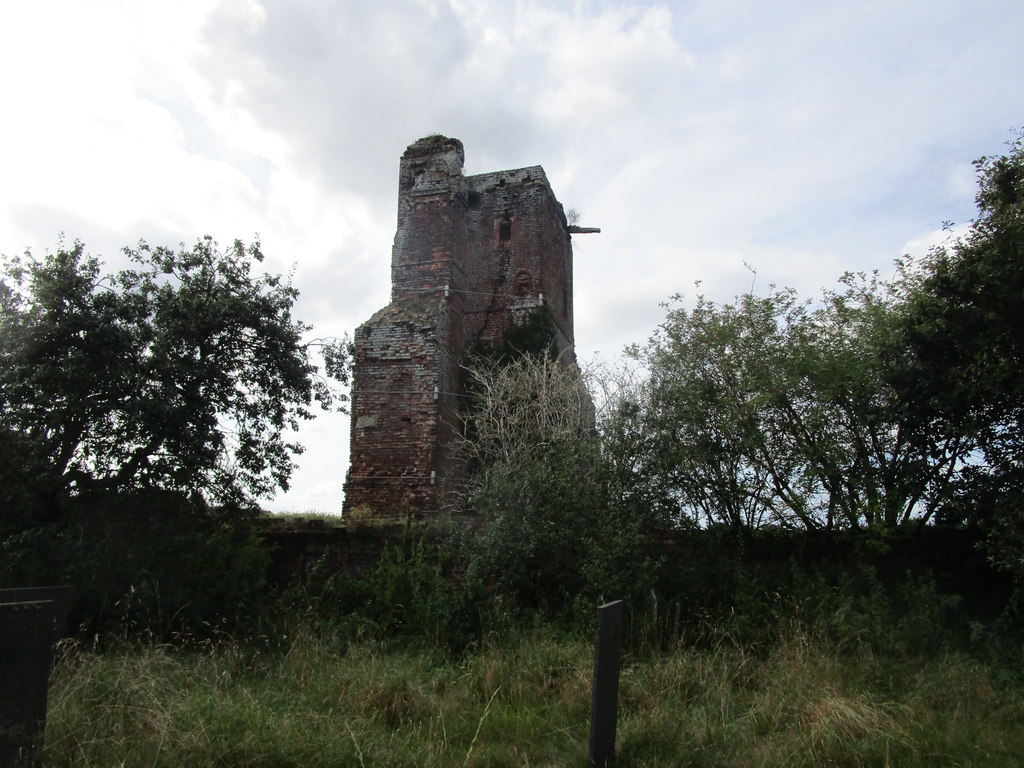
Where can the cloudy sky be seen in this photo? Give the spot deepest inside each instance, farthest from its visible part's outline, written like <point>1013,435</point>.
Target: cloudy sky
<point>800,137</point>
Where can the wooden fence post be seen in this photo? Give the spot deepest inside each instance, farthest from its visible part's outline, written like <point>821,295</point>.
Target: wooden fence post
<point>604,703</point>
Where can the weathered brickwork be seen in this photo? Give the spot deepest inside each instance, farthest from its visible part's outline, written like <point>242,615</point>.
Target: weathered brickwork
<point>472,257</point>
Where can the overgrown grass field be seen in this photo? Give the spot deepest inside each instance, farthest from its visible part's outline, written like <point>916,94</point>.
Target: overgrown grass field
<point>524,700</point>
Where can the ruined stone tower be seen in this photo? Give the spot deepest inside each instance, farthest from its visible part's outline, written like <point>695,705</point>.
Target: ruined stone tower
<point>473,258</point>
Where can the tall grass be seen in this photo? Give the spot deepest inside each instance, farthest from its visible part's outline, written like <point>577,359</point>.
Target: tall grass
<point>800,700</point>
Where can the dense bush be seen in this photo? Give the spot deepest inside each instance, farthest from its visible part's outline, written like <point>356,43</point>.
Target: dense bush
<point>150,562</point>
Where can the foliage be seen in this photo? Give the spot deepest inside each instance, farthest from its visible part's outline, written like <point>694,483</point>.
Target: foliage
<point>960,367</point>
<point>552,536</point>
<point>773,410</point>
<point>148,563</point>
<point>533,335</point>
<point>183,373</point>
<point>522,405</point>
<point>410,593</point>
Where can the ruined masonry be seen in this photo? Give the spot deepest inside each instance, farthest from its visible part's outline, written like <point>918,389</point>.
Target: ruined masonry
<point>474,256</point>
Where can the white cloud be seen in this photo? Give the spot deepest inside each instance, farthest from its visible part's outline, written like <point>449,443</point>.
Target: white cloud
<point>921,244</point>
<point>802,138</point>
<point>597,68</point>
<point>961,181</point>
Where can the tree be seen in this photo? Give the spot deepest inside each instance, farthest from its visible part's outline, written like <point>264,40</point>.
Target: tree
<point>183,373</point>
<point>698,419</point>
<point>962,370</point>
<point>522,405</point>
<point>551,532</point>
<point>774,410</point>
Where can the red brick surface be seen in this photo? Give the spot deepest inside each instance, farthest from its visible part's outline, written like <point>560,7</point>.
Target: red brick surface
<point>472,255</point>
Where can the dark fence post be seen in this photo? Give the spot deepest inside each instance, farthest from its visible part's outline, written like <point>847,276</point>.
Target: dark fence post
<point>26,653</point>
<point>32,620</point>
<point>604,704</point>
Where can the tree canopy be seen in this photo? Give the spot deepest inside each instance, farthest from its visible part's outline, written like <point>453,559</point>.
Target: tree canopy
<point>959,368</point>
<point>550,529</point>
<point>774,410</point>
<point>185,372</point>
<point>882,403</point>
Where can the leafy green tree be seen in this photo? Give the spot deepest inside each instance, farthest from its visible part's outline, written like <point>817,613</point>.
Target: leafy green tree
<point>552,535</point>
<point>963,368</point>
<point>776,410</point>
<point>184,373</point>
<point>698,418</point>
<point>622,401</point>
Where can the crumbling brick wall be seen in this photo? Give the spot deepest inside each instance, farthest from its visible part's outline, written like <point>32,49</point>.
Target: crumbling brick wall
<point>473,256</point>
